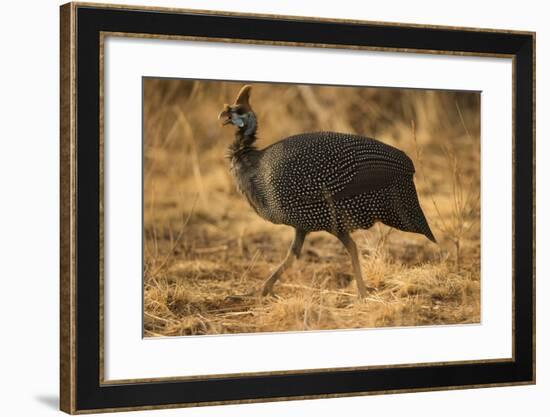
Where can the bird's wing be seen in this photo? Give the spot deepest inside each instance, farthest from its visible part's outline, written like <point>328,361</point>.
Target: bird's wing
<point>313,168</point>
<point>373,168</point>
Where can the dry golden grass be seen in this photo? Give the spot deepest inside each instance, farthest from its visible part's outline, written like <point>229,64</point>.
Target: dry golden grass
<point>203,243</point>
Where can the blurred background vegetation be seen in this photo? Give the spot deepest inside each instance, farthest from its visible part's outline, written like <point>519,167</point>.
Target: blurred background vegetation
<point>204,243</point>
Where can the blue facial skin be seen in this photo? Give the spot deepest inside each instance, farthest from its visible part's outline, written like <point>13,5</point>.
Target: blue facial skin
<point>237,120</point>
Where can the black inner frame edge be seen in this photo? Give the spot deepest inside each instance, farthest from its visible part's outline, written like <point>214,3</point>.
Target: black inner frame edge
<point>91,395</point>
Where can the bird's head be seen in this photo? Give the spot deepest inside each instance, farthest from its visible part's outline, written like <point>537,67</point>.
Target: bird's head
<point>240,113</point>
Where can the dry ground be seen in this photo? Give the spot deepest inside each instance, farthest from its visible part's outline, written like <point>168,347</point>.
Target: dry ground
<point>203,243</point>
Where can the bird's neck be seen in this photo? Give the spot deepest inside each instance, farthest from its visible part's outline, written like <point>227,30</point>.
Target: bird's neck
<point>241,151</point>
<point>244,158</point>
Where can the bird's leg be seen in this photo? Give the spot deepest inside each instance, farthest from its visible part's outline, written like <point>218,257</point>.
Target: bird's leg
<point>293,253</point>
<point>348,242</point>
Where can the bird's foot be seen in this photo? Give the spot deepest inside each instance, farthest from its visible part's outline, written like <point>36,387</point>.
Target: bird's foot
<point>267,291</point>
<point>363,292</point>
<point>263,292</point>
<point>242,297</point>
<point>267,287</point>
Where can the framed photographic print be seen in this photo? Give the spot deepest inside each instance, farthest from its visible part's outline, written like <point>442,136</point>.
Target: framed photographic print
<point>264,208</point>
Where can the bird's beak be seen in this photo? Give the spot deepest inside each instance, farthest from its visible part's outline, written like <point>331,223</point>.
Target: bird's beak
<point>225,116</point>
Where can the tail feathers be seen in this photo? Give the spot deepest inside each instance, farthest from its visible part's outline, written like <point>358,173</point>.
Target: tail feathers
<point>428,233</point>
<point>410,213</point>
<point>415,221</point>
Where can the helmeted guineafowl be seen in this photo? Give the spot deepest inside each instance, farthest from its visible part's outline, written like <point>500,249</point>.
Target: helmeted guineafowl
<point>328,181</point>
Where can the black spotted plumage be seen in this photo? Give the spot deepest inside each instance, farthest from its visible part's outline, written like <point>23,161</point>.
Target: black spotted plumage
<point>336,182</point>
<point>329,181</point>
